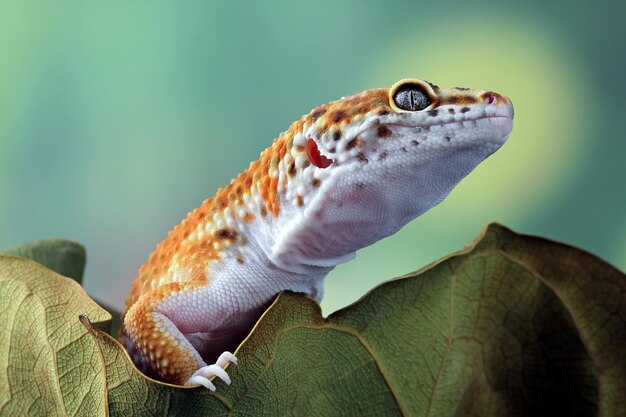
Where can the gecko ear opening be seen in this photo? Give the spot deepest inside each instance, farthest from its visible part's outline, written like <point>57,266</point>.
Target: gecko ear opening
<point>316,158</point>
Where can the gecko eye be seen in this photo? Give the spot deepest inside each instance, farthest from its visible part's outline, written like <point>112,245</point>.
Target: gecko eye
<point>411,97</point>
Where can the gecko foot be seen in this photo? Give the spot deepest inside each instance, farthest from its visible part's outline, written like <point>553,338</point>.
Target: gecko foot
<point>203,375</point>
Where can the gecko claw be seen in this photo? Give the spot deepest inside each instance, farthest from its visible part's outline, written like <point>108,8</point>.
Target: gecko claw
<point>203,375</point>
<point>200,380</point>
<point>226,358</point>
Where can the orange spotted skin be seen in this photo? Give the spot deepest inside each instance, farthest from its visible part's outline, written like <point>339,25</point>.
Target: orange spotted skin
<point>196,254</point>
<point>155,278</point>
<point>205,285</point>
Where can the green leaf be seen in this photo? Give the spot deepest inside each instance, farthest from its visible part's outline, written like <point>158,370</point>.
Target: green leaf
<point>514,325</point>
<point>60,255</point>
<point>49,365</point>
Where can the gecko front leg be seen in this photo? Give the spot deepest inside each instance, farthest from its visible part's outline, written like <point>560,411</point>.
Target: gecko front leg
<point>159,335</point>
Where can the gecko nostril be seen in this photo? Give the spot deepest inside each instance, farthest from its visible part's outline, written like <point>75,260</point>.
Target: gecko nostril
<point>490,97</point>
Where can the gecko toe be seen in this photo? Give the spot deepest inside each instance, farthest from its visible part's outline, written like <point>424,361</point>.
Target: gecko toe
<point>226,358</point>
<point>200,380</point>
<point>210,371</point>
<point>203,375</point>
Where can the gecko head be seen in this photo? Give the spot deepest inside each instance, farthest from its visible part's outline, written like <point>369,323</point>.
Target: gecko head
<point>371,162</point>
<point>413,117</point>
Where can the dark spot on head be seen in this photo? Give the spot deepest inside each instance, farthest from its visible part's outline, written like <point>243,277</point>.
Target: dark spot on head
<point>383,156</point>
<point>240,259</point>
<point>332,150</point>
<point>433,86</point>
<point>361,156</point>
<point>337,135</point>
<point>306,164</point>
<point>226,234</point>
<point>263,212</point>
<point>316,183</point>
<point>338,116</point>
<point>414,143</point>
<point>292,169</point>
<point>317,113</point>
<point>461,88</point>
<point>404,149</point>
<point>465,109</point>
<point>365,108</point>
<point>360,185</point>
<point>299,200</point>
<point>451,110</point>
<point>448,138</point>
<point>383,112</point>
<point>459,100</point>
<point>433,113</point>
<point>353,143</point>
<point>383,131</point>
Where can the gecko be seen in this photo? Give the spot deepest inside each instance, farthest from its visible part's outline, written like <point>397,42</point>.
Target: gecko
<point>342,177</point>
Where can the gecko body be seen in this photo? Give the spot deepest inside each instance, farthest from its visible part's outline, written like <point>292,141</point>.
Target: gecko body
<point>344,176</point>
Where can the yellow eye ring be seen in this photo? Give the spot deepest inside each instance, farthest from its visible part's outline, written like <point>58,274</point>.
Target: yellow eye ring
<point>410,95</point>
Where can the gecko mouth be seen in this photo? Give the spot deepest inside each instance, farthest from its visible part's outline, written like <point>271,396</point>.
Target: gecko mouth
<point>499,126</point>
<point>474,121</point>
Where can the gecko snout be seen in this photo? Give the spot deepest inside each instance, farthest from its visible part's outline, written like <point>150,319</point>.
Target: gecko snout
<point>504,104</point>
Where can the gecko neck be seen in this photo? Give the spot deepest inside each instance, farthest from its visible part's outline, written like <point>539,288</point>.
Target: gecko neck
<point>287,264</point>
<point>253,246</point>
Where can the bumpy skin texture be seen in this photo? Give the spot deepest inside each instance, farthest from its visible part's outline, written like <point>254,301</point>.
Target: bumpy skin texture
<point>342,177</point>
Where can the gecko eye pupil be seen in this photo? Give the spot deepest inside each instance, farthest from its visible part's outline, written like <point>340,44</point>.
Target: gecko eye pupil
<point>411,97</point>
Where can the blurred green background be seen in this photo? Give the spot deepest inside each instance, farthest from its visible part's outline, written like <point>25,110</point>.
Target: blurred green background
<point>117,118</point>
